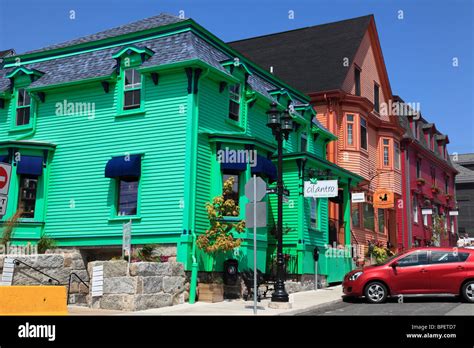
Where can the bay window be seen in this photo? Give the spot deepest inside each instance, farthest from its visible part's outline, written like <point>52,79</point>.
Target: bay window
<point>363,133</point>
<point>396,155</point>
<point>368,216</point>
<point>386,152</point>
<point>350,129</point>
<point>27,195</point>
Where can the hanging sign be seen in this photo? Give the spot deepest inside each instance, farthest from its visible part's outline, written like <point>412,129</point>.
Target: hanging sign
<point>426,211</point>
<point>453,213</point>
<point>320,188</point>
<point>358,197</point>
<point>383,199</point>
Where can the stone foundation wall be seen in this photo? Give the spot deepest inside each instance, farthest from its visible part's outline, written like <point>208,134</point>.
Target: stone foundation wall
<point>143,286</point>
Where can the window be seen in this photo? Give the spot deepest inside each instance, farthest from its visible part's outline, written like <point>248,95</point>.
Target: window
<point>414,259</point>
<point>350,129</point>
<point>444,257</point>
<point>415,128</point>
<point>27,195</point>
<point>396,159</point>
<point>234,103</point>
<point>425,219</point>
<point>23,108</point>
<point>132,89</point>
<point>452,224</point>
<point>446,185</point>
<point>418,168</point>
<point>368,217</point>
<point>303,142</point>
<point>357,80</point>
<point>355,215</point>
<point>445,218</point>
<point>314,213</point>
<point>376,98</point>
<point>433,175</point>
<point>463,256</point>
<point>386,152</point>
<point>415,209</point>
<point>127,196</point>
<point>363,133</point>
<point>234,195</point>
<point>381,219</point>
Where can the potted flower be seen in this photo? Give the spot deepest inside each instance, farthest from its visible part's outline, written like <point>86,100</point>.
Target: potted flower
<point>448,196</point>
<point>221,213</point>
<point>435,189</point>
<point>420,181</point>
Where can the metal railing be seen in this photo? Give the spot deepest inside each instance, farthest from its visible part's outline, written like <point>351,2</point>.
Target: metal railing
<point>50,279</point>
<point>69,284</point>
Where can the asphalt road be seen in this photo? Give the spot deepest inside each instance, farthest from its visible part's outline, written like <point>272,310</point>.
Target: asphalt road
<point>412,305</point>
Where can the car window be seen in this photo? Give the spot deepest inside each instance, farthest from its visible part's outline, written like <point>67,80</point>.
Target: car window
<point>444,256</point>
<point>463,256</point>
<point>414,259</point>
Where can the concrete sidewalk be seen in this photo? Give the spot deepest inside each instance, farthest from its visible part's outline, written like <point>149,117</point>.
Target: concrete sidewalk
<point>301,302</point>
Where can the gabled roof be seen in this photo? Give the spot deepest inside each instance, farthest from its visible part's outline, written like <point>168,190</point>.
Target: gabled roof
<point>143,24</point>
<point>311,58</point>
<point>422,124</point>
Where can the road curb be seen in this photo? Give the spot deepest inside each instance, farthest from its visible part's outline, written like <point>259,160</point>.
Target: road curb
<point>308,309</point>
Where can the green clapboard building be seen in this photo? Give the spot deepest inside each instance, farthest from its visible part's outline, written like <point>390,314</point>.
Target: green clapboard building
<point>130,124</point>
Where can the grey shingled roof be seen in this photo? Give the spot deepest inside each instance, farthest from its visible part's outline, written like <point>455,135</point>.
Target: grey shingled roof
<point>143,24</point>
<point>309,59</point>
<point>465,175</point>
<point>100,63</point>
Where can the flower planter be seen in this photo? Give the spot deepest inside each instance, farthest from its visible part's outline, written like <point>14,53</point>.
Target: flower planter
<point>211,292</point>
<point>420,182</point>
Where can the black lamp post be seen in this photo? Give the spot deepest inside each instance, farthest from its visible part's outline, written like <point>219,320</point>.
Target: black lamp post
<point>281,125</point>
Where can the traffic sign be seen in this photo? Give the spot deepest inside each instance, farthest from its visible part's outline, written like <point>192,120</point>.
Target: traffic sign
<point>3,204</point>
<point>261,212</point>
<point>261,189</point>
<point>5,171</point>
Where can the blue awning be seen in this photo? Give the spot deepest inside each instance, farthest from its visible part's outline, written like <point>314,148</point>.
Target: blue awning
<point>3,158</point>
<point>238,167</point>
<point>123,166</point>
<point>266,167</point>
<point>30,165</point>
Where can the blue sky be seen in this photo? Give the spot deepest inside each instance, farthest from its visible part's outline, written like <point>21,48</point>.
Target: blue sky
<point>418,49</point>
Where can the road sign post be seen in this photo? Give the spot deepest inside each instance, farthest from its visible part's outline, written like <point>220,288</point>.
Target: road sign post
<point>255,190</point>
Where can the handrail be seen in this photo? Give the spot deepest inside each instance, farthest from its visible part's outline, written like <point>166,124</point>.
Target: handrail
<point>69,284</point>
<point>17,262</point>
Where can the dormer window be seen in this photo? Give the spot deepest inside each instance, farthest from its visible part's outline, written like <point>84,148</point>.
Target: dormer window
<point>132,89</point>
<point>234,102</point>
<point>23,108</point>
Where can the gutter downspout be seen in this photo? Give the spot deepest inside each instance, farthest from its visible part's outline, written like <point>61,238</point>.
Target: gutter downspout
<point>192,222</point>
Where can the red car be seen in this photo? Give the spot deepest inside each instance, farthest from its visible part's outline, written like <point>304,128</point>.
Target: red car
<point>416,271</point>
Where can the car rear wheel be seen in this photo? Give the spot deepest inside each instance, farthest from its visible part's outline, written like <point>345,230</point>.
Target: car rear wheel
<point>468,291</point>
<point>376,292</point>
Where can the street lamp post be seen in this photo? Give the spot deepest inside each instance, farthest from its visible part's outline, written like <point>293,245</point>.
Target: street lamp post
<point>281,125</point>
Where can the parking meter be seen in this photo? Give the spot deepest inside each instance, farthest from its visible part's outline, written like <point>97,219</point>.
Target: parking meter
<point>316,258</point>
